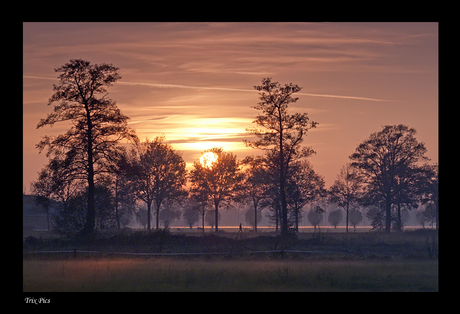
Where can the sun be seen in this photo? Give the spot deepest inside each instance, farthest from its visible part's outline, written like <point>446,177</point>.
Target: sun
<point>208,159</point>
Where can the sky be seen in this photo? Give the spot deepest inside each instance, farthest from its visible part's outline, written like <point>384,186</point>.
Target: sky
<point>194,82</point>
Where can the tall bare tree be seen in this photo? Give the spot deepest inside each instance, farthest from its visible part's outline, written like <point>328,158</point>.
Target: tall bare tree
<point>97,126</point>
<point>282,132</point>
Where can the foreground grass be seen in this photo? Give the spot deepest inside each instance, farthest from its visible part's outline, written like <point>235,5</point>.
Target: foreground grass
<point>137,274</point>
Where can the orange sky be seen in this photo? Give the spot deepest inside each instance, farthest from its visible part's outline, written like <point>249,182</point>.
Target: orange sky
<point>194,81</point>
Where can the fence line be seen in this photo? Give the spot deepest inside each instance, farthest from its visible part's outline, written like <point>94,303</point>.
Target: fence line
<point>184,253</point>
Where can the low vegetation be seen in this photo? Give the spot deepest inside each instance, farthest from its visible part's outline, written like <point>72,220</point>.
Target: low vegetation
<point>419,244</point>
<point>139,274</point>
<point>305,262</point>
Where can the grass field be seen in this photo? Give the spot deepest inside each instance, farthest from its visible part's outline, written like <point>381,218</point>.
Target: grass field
<point>200,274</point>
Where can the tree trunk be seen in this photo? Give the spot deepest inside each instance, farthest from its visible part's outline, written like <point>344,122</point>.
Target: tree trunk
<point>399,226</point>
<point>296,218</point>
<point>437,215</point>
<point>277,209</point>
<point>117,214</point>
<point>48,218</point>
<point>149,206</point>
<point>346,219</point>
<point>217,215</point>
<point>91,211</point>
<point>202,217</point>
<point>284,222</point>
<point>157,211</point>
<point>255,217</point>
<point>388,216</point>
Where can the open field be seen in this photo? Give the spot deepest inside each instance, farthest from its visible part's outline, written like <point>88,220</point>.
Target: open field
<point>367,261</point>
<point>152,274</point>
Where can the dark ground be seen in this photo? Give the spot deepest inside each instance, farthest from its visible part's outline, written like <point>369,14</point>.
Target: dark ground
<point>418,244</point>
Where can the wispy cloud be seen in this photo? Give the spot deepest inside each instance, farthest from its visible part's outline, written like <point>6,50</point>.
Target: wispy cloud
<point>159,85</point>
<point>39,77</point>
<point>344,97</point>
<point>162,85</point>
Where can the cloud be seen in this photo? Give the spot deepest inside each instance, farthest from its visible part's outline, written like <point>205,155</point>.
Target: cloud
<point>344,97</point>
<point>158,118</point>
<point>39,77</point>
<point>162,85</point>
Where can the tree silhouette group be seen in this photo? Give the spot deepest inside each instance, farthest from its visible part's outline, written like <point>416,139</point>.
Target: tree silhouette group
<point>98,181</point>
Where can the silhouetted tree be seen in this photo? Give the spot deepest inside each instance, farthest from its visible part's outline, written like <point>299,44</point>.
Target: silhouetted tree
<point>169,212</point>
<point>118,182</point>
<point>141,216</point>
<point>281,132</point>
<point>304,185</point>
<point>335,217</point>
<point>384,159</point>
<point>272,199</point>
<point>355,218</point>
<point>157,172</point>
<point>70,216</point>
<point>84,151</point>
<point>45,203</point>
<point>408,192</point>
<point>346,190</point>
<point>430,188</point>
<point>426,215</point>
<point>191,212</point>
<point>217,182</point>
<point>376,215</point>
<point>315,216</point>
<point>255,184</point>
<point>210,217</point>
<point>202,202</point>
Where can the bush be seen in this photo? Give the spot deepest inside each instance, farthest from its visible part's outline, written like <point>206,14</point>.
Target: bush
<point>31,241</point>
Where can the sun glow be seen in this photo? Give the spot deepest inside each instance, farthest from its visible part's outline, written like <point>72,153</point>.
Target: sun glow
<point>208,159</point>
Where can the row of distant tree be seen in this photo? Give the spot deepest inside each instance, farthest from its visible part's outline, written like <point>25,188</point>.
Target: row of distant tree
<point>97,181</point>
<point>424,216</point>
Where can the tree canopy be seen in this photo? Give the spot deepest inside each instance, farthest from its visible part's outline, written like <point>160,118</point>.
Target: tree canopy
<point>97,179</point>
<point>85,151</point>
<point>156,172</point>
<point>386,159</point>
<point>216,182</point>
<point>281,132</point>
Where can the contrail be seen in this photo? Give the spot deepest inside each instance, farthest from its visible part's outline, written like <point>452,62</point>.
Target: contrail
<point>160,85</point>
<point>39,77</point>
<point>344,97</point>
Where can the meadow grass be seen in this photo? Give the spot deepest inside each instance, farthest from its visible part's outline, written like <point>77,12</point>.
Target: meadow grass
<point>200,274</point>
